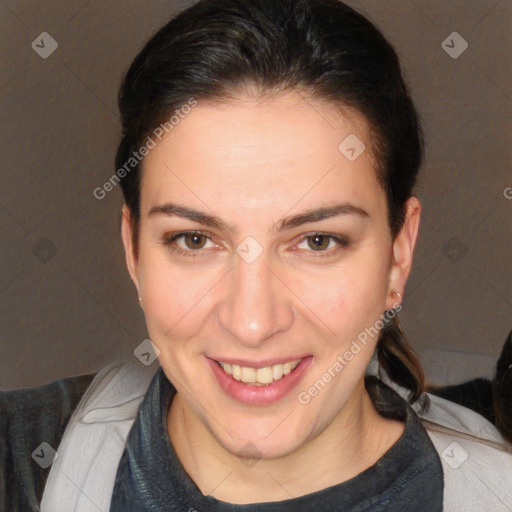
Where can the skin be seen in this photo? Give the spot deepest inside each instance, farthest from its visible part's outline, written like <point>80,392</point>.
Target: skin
<point>253,163</point>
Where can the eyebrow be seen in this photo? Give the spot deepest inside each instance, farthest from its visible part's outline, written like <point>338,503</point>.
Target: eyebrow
<point>313,215</point>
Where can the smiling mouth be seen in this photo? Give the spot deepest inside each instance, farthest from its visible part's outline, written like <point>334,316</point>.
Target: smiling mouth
<point>259,376</point>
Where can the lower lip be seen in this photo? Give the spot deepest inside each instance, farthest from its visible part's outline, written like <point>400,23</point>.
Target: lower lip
<point>259,395</point>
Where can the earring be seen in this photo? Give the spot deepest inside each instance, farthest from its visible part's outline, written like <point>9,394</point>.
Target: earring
<point>396,295</point>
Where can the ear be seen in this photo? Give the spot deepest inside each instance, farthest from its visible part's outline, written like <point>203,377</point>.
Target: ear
<point>126,236</point>
<point>403,250</point>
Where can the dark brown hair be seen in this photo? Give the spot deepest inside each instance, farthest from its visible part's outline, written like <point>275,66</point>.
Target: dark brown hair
<point>218,49</point>
<point>502,390</point>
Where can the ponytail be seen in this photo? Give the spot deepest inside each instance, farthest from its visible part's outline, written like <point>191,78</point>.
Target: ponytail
<point>398,359</point>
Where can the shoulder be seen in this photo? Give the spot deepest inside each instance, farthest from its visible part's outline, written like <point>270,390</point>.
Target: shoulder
<point>95,435</point>
<point>476,459</point>
<point>63,391</point>
<point>476,394</point>
<point>32,421</point>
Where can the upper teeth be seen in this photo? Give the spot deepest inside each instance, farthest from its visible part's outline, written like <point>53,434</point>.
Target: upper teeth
<point>264,375</point>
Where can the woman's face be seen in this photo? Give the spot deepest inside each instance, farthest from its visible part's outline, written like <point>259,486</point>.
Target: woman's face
<point>291,261</point>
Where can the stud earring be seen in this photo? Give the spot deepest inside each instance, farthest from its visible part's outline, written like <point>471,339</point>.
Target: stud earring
<point>396,295</point>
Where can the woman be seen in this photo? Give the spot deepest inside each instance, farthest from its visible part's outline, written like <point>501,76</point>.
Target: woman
<point>268,159</point>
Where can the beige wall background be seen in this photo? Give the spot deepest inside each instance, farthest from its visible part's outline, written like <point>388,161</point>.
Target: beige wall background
<point>67,305</point>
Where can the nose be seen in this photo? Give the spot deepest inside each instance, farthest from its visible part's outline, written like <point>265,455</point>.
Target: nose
<point>256,305</point>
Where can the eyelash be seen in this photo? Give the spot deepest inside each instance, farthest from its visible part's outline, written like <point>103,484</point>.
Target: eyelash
<point>168,241</point>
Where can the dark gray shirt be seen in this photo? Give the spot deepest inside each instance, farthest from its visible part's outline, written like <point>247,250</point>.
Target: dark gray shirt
<point>28,418</point>
<point>150,477</point>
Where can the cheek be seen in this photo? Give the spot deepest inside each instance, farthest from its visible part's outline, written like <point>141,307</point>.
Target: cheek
<point>347,300</point>
<point>173,301</point>
<point>347,293</point>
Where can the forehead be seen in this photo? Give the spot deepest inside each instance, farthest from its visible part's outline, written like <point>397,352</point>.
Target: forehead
<point>251,153</point>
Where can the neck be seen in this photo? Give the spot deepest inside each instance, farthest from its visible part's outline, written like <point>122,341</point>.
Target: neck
<point>356,438</point>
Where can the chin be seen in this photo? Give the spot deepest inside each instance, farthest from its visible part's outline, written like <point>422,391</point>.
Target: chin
<point>271,439</point>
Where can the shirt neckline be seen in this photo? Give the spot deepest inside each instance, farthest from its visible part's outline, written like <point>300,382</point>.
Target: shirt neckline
<point>150,471</point>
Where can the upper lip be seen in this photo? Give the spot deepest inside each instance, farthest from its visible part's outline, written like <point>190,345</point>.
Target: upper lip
<point>258,364</point>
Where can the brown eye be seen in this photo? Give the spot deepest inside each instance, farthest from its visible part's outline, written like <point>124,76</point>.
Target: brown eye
<point>319,242</point>
<point>187,243</point>
<point>195,240</point>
